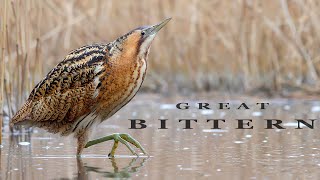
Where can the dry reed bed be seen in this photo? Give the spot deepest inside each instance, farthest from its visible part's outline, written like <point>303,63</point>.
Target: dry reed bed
<point>209,45</point>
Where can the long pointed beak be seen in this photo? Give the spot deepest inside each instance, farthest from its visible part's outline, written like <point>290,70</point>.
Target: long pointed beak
<point>155,28</point>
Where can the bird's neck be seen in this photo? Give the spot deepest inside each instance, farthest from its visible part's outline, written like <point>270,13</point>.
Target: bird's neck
<point>126,52</point>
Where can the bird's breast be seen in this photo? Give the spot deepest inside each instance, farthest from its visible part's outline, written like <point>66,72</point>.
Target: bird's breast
<point>120,86</point>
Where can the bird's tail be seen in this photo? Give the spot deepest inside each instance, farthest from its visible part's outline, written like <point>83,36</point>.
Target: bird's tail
<point>22,117</point>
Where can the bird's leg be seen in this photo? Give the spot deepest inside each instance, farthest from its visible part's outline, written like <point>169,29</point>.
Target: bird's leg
<point>82,140</point>
<point>123,138</point>
<point>114,147</point>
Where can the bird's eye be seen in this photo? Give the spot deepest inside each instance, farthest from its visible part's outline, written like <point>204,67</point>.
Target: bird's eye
<point>143,33</point>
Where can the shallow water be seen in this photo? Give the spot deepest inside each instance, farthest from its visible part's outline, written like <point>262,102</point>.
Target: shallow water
<point>202,152</point>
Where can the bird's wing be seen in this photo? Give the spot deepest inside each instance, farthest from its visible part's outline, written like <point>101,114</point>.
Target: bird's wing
<point>68,90</point>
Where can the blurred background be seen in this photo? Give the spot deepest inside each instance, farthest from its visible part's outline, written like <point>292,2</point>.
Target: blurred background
<point>242,46</point>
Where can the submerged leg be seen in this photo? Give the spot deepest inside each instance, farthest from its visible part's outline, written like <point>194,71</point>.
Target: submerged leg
<point>123,138</point>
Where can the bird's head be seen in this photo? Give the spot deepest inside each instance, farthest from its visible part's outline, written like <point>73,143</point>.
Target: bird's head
<point>137,42</point>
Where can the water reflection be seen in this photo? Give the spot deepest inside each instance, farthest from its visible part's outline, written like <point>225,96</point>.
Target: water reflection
<point>117,172</point>
<point>23,160</point>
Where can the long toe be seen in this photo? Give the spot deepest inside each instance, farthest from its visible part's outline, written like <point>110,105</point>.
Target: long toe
<point>123,141</point>
<point>133,141</point>
<point>123,138</point>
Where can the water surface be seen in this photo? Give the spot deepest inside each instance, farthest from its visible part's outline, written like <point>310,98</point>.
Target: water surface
<point>201,152</point>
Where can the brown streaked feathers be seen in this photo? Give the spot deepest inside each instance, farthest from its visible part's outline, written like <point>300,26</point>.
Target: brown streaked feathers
<point>66,93</point>
<point>89,85</point>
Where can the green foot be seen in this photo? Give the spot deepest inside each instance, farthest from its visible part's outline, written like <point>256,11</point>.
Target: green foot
<point>123,138</point>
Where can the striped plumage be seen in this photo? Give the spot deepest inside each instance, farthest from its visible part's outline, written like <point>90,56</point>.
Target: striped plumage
<point>91,84</point>
<point>66,93</point>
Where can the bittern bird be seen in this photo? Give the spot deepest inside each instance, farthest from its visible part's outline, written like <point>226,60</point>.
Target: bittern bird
<point>90,85</point>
